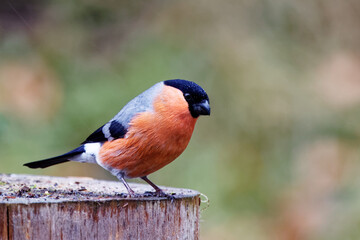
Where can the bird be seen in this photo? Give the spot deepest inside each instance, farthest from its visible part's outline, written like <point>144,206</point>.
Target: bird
<point>148,133</point>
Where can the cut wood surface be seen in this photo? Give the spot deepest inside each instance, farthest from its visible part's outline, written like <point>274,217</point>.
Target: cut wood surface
<point>43,207</point>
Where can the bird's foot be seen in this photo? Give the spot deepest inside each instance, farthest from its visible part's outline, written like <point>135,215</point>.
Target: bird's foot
<point>132,194</point>
<point>160,193</point>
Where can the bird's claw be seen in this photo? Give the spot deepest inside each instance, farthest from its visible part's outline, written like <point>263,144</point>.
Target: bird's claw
<point>170,196</point>
<point>133,195</point>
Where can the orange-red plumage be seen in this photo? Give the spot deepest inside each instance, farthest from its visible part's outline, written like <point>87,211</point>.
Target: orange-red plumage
<point>154,138</point>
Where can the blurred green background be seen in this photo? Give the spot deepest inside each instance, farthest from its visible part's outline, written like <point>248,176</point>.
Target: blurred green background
<point>279,156</point>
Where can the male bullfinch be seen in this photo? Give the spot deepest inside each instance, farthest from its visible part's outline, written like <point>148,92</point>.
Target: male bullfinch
<point>151,131</point>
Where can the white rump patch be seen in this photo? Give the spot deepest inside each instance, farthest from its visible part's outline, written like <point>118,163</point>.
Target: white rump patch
<point>90,155</point>
<point>92,148</point>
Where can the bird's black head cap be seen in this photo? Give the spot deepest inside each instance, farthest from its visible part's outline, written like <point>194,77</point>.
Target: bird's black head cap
<point>195,95</point>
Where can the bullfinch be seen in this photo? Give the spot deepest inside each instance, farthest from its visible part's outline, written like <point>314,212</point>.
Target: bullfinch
<point>151,131</point>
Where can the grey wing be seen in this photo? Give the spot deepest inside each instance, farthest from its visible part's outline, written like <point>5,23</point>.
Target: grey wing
<point>118,126</point>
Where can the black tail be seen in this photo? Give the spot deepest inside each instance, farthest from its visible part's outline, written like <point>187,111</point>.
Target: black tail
<point>55,160</point>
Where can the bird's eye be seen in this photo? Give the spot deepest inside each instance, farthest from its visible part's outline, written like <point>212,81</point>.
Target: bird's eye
<point>187,96</point>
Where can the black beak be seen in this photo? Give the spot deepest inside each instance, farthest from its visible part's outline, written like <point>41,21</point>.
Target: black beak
<point>202,108</point>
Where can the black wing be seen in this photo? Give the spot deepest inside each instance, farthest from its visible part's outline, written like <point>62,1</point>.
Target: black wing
<point>115,130</point>
<point>97,136</point>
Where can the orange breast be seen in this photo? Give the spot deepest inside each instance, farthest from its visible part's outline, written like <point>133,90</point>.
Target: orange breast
<point>154,139</point>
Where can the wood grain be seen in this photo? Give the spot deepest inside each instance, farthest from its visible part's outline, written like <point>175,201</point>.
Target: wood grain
<point>103,214</point>
<point>3,222</point>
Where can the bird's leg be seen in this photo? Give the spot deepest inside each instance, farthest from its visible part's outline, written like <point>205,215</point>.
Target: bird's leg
<point>130,191</point>
<point>158,192</point>
<point>157,189</point>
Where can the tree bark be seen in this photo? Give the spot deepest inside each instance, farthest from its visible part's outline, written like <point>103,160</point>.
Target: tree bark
<point>41,207</point>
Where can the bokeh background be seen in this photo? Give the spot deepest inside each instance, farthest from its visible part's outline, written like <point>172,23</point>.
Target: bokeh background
<point>278,158</point>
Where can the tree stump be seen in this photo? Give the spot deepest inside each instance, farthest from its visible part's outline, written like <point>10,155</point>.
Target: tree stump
<point>42,207</point>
